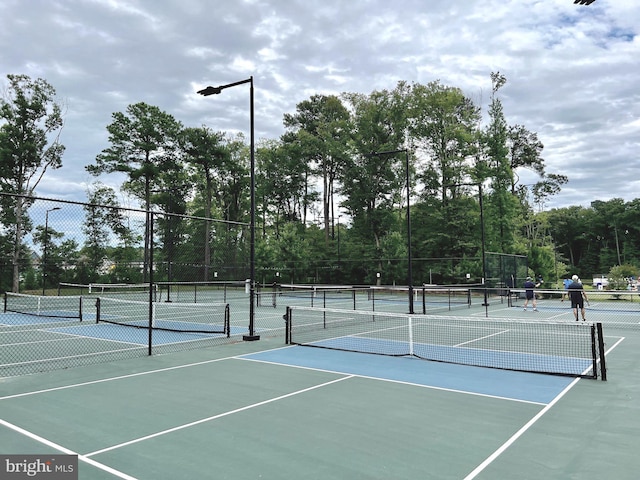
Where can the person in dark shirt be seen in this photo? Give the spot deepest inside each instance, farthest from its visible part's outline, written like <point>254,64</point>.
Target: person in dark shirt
<point>577,296</point>
<point>529,295</point>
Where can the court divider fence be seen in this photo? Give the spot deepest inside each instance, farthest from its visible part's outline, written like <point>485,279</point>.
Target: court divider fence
<point>41,333</point>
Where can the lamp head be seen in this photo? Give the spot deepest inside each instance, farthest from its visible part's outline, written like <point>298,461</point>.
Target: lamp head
<point>210,91</point>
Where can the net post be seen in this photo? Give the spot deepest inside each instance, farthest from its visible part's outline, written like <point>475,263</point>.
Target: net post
<point>594,351</point>
<point>149,239</point>
<point>80,307</point>
<point>5,302</point>
<point>601,352</point>
<point>98,310</point>
<point>287,326</point>
<point>372,292</point>
<point>410,336</point>
<point>274,294</point>
<point>227,320</point>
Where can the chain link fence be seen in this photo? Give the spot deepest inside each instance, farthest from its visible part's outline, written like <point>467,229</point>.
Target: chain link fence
<point>85,283</point>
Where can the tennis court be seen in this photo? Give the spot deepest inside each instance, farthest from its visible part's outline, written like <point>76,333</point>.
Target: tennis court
<point>273,410</point>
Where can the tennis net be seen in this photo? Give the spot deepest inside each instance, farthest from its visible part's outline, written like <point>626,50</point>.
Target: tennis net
<point>611,301</point>
<point>346,296</point>
<point>425,298</point>
<point>211,318</point>
<point>131,291</point>
<point>561,348</point>
<point>196,292</point>
<point>44,306</point>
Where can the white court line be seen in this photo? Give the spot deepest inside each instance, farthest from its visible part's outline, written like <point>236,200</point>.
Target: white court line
<point>120,377</point>
<point>55,359</point>
<point>66,451</point>
<point>85,458</point>
<point>214,417</point>
<point>528,425</point>
<point>381,379</point>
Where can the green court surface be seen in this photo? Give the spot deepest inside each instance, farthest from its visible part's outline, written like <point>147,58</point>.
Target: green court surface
<point>266,410</point>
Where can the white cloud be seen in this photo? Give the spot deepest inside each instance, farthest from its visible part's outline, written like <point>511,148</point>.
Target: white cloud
<point>571,70</point>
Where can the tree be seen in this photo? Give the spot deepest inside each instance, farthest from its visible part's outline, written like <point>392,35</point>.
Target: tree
<point>524,152</point>
<point>205,152</point>
<point>372,184</point>
<point>144,143</point>
<point>102,217</point>
<point>283,182</point>
<point>620,275</point>
<point>443,123</point>
<point>321,127</point>
<point>549,185</point>
<point>29,146</point>
<point>502,207</point>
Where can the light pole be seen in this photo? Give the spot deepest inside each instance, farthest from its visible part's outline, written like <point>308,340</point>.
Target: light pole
<point>44,248</point>
<point>252,225</point>
<point>409,257</point>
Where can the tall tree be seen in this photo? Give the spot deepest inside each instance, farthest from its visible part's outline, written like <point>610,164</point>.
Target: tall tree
<point>525,151</point>
<point>443,123</point>
<point>282,183</point>
<point>372,183</point>
<point>103,217</point>
<point>206,153</point>
<point>502,206</point>
<point>321,126</point>
<point>143,142</point>
<point>29,146</point>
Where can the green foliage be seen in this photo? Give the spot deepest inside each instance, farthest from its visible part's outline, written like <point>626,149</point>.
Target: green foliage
<point>542,263</point>
<point>30,125</point>
<point>29,133</point>
<point>325,167</point>
<point>143,141</point>
<point>619,276</point>
<point>393,251</point>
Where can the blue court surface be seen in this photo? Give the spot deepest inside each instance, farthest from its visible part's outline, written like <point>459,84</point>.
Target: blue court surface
<point>520,386</point>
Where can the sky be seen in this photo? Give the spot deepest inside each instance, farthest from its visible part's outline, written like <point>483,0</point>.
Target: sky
<point>572,71</point>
